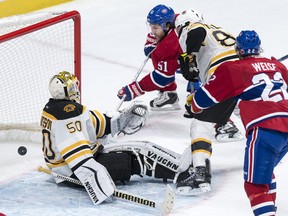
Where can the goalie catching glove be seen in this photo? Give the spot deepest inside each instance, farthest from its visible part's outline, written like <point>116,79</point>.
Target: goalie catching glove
<point>188,66</point>
<point>129,120</point>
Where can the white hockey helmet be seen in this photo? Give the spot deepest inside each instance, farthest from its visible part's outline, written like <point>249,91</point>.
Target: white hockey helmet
<point>65,85</point>
<point>190,15</point>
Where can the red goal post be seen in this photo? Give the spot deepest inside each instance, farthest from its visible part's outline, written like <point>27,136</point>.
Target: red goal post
<point>34,47</point>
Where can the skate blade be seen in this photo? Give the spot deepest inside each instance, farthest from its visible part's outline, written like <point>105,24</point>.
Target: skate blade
<point>188,191</point>
<point>226,138</point>
<point>166,108</point>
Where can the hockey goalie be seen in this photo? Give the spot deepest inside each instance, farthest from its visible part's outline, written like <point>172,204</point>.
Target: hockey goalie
<point>71,148</point>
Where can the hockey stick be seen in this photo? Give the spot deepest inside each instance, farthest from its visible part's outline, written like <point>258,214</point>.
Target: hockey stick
<point>165,207</point>
<point>135,78</point>
<point>283,58</point>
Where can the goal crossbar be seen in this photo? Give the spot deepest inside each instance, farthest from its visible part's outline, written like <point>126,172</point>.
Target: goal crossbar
<point>58,17</point>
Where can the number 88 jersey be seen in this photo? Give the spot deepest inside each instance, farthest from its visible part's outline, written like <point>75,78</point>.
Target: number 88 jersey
<point>212,46</point>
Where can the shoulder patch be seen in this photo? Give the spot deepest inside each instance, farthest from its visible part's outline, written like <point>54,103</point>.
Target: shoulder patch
<point>69,108</point>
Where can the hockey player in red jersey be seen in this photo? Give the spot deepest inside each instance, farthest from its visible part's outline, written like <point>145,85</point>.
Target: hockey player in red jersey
<point>163,47</point>
<point>260,87</point>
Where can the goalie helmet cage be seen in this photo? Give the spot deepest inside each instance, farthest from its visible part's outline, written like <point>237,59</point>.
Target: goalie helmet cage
<point>33,48</point>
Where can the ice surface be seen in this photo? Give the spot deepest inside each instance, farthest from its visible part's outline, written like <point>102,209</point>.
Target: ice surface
<point>113,33</point>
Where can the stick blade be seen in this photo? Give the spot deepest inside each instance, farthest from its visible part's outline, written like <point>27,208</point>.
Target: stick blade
<point>168,203</point>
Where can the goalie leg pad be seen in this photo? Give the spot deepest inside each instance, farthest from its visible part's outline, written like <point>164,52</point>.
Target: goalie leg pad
<point>96,181</point>
<point>118,164</point>
<point>152,159</point>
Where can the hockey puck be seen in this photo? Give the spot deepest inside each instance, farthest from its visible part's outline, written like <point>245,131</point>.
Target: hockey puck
<point>22,150</point>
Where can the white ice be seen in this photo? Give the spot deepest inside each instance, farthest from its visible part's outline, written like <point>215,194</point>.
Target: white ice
<point>113,33</point>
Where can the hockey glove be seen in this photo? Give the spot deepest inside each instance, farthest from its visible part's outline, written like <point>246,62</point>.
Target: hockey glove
<point>190,105</point>
<point>129,120</point>
<point>188,66</point>
<point>130,91</point>
<point>150,44</point>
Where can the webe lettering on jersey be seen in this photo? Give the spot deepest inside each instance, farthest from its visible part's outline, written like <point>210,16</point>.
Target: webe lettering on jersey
<point>46,123</point>
<point>91,191</point>
<point>134,199</point>
<point>264,66</point>
<point>162,160</point>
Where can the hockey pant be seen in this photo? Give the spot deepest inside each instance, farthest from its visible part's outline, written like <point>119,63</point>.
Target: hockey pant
<point>123,160</point>
<point>218,113</point>
<point>265,148</point>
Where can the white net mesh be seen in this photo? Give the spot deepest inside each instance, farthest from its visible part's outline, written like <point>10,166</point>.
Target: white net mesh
<point>27,63</point>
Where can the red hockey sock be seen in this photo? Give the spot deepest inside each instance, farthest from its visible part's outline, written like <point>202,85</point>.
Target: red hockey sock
<point>262,202</point>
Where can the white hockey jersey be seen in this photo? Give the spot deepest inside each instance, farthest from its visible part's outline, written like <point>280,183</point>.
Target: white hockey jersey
<point>212,46</point>
<point>70,133</point>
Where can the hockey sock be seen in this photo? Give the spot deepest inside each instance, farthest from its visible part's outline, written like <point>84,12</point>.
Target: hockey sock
<point>261,201</point>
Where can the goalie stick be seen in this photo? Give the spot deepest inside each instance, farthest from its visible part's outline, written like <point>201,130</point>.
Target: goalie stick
<point>165,207</point>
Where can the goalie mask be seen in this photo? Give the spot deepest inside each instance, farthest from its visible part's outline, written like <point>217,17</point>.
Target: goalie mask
<point>65,86</point>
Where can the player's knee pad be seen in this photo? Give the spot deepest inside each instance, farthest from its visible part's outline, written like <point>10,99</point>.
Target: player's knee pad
<point>118,164</point>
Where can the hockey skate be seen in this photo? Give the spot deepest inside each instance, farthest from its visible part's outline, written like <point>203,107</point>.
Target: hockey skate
<point>228,132</point>
<point>197,183</point>
<point>165,101</point>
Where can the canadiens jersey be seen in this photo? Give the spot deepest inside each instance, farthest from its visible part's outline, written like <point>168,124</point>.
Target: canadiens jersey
<point>164,59</point>
<point>70,133</point>
<point>212,46</point>
<point>259,85</point>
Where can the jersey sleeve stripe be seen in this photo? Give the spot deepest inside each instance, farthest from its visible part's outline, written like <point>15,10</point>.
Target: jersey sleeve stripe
<point>87,153</point>
<point>48,115</point>
<point>160,79</point>
<point>100,128</point>
<point>73,146</point>
<point>229,55</point>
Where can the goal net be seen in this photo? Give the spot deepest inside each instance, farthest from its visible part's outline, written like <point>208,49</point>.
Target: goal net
<point>34,47</point>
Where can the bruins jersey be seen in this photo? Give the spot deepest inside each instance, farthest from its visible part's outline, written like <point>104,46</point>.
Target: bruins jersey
<point>212,46</point>
<point>69,134</point>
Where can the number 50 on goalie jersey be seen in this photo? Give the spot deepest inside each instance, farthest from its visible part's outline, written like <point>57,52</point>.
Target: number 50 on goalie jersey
<point>69,134</point>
